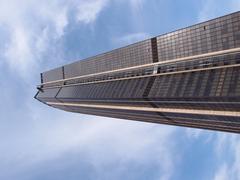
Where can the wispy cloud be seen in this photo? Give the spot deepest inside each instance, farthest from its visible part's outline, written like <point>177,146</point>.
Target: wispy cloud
<point>130,38</point>
<point>34,29</point>
<point>136,4</point>
<point>38,141</point>
<point>226,145</point>
<point>213,8</point>
<point>208,10</point>
<point>89,10</point>
<point>102,142</point>
<point>222,173</point>
<point>42,137</point>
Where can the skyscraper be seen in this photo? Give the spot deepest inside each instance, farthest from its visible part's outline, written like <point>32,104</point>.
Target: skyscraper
<point>189,77</point>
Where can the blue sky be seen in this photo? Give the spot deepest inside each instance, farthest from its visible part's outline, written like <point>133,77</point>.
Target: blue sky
<point>38,142</point>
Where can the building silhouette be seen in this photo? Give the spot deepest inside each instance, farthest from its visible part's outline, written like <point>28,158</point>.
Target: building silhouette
<point>189,77</point>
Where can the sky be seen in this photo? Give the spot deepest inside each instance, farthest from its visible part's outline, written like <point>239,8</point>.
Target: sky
<point>39,142</point>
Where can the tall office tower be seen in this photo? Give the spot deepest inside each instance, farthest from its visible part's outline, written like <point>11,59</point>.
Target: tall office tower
<point>189,77</point>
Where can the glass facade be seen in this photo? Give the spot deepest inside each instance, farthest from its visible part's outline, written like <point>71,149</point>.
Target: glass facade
<point>215,35</point>
<point>189,77</point>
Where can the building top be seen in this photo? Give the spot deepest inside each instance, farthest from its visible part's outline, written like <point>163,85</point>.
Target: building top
<point>211,36</point>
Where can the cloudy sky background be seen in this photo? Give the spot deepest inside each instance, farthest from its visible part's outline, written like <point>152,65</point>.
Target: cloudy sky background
<point>38,142</point>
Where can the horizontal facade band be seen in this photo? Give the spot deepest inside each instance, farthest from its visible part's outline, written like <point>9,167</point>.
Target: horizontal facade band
<point>167,110</point>
<point>216,53</point>
<point>159,118</point>
<point>170,120</point>
<point>153,101</point>
<point>145,76</point>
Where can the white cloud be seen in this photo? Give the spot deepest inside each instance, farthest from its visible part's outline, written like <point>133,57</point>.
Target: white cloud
<point>207,11</point>
<point>228,147</point>
<point>34,29</point>
<point>37,136</point>
<point>103,142</point>
<point>89,10</point>
<point>136,4</point>
<point>226,144</point>
<point>214,8</point>
<point>222,173</point>
<point>130,38</point>
<point>18,51</point>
